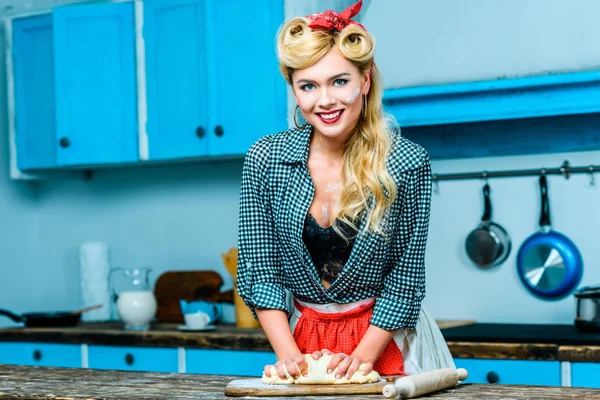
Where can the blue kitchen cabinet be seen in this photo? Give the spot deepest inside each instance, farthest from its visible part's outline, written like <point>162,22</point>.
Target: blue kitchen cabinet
<point>33,82</point>
<point>176,78</point>
<point>519,372</point>
<point>585,374</point>
<point>95,84</point>
<point>248,93</point>
<point>206,90</point>
<point>152,359</point>
<point>211,90</point>
<point>227,362</point>
<point>41,354</point>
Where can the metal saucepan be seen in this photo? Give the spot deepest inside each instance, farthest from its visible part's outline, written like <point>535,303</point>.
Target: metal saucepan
<point>549,264</point>
<point>588,309</point>
<point>489,244</point>
<point>48,319</point>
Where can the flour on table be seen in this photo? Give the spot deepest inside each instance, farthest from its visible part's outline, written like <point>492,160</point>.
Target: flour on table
<point>317,374</point>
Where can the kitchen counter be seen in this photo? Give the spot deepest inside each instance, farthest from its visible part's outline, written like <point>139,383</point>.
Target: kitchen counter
<point>523,341</point>
<point>159,335</point>
<point>32,383</point>
<point>522,333</point>
<point>465,339</point>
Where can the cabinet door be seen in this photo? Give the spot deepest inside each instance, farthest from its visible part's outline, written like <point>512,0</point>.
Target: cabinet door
<point>133,358</point>
<point>248,93</point>
<point>174,35</point>
<point>227,362</point>
<point>94,53</point>
<point>520,372</point>
<point>33,88</point>
<point>585,374</point>
<point>41,354</point>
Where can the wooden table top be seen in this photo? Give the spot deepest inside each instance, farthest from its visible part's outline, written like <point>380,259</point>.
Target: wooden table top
<point>32,383</point>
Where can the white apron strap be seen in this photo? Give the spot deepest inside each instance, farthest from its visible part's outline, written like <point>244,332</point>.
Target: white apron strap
<point>424,349</point>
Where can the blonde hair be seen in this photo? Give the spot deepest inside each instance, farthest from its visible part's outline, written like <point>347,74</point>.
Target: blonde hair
<point>367,185</point>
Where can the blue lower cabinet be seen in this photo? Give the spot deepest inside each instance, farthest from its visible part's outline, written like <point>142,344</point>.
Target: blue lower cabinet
<point>519,372</point>
<point>41,354</point>
<point>585,374</point>
<point>133,358</point>
<point>227,362</point>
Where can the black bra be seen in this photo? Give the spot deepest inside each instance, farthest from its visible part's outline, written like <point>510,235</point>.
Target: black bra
<point>328,250</point>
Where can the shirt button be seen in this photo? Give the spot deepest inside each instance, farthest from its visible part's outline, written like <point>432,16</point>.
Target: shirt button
<point>418,293</point>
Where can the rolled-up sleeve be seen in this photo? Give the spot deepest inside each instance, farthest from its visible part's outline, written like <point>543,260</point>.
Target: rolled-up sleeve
<point>258,280</point>
<point>399,305</point>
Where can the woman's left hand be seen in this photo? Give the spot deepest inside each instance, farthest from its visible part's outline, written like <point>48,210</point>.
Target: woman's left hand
<point>346,365</point>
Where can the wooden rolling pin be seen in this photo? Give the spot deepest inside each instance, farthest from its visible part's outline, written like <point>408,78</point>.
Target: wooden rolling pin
<point>408,387</point>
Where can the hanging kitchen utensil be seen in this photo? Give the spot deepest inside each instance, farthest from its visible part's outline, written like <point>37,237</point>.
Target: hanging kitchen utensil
<point>489,244</point>
<point>548,263</point>
<point>48,319</point>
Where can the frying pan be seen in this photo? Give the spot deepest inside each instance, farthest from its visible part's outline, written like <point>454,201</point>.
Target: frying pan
<point>52,319</point>
<point>488,244</point>
<point>548,263</point>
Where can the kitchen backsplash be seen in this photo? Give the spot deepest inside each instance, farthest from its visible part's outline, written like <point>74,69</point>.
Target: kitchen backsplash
<point>166,218</point>
<point>456,288</point>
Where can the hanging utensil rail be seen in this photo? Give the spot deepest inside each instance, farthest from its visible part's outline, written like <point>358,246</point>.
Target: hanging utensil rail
<point>565,170</point>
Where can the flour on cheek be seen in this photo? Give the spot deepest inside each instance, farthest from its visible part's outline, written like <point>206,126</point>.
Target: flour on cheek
<point>354,96</point>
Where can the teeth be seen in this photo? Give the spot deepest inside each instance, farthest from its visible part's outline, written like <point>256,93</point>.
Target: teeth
<point>331,116</point>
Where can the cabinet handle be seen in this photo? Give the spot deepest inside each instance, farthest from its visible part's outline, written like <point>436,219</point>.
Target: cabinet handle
<point>200,132</point>
<point>37,355</point>
<point>129,359</point>
<point>64,142</point>
<point>219,130</point>
<point>492,377</point>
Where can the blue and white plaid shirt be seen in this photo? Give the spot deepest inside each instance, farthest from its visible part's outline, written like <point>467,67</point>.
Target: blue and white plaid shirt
<point>276,193</point>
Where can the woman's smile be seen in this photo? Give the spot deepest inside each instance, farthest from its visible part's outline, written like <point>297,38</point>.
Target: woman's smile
<point>330,117</point>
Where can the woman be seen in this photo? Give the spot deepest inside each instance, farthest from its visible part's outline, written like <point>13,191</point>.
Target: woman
<point>334,216</point>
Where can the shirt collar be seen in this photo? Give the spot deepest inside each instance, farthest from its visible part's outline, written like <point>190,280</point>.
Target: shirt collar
<point>296,147</point>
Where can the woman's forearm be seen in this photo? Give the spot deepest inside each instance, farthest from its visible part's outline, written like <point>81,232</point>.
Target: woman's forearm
<point>277,328</point>
<point>372,344</point>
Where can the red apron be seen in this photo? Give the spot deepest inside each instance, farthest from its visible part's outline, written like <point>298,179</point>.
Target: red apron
<point>341,333</point>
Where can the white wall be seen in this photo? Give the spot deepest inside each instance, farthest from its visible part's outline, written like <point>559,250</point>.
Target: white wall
<point>436,41</point>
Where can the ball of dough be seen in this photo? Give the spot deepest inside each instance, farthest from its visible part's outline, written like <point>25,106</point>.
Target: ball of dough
<point>317,374</point>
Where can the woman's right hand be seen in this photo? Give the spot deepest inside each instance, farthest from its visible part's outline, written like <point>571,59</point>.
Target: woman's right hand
<point>295,365</point>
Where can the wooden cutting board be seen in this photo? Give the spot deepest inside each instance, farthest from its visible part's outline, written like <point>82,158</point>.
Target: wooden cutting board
<point>172,286</point>
<point>254,387</point>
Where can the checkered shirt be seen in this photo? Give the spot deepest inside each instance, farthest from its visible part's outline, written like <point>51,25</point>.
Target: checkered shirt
<point>276,193</point>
